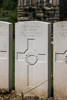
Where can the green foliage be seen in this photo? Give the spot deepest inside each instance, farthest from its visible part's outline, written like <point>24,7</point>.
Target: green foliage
<point>8,10</point>
<point>1,1</point>
<point>22,95</point>
<point>8,4</point>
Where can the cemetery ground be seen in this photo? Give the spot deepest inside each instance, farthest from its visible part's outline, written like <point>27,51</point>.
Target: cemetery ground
<point>12,95</point>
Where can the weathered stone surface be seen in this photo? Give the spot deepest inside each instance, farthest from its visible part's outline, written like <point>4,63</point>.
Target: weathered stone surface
<point>18,98</point>
<point>31,58</point>
<point>5,55</point>
<point>60,60</point>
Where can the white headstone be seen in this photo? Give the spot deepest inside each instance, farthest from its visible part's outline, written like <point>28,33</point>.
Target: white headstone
<point>60,60</point>
<point>5,55</point>
<point>31,58</point>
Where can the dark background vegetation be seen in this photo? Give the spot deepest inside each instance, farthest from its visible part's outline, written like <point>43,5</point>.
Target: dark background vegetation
<point>63,10</point>
<point>8,10</point>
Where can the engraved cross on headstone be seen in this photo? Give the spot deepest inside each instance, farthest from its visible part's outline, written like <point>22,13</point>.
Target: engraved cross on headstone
<point>30,56</point>
<point>61,57</point>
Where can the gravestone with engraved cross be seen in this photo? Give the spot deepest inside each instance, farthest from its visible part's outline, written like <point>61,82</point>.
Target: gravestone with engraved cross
<point>31,58</point>
<point>60,60</point>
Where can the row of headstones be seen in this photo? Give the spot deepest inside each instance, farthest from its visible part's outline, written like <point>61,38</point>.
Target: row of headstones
<point>32,58</point>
